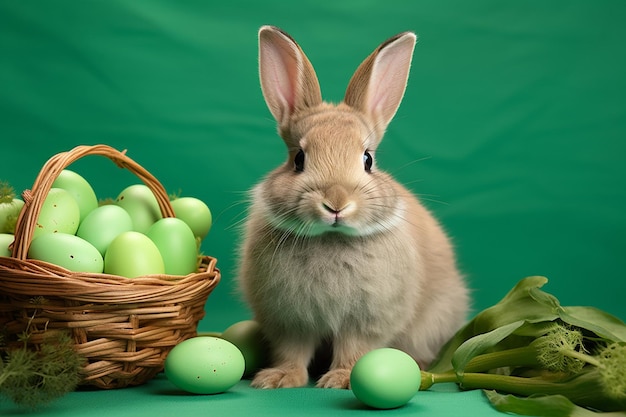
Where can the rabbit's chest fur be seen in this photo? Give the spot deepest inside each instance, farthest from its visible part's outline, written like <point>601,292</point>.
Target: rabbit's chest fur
<point>327,283</point>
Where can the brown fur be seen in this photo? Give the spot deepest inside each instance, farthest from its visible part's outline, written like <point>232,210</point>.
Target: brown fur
<point>336,252</point>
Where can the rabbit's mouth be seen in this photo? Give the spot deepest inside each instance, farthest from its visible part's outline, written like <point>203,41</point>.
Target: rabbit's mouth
<point>330,220</point>
<point>338,226</point>
<point>317,227</point>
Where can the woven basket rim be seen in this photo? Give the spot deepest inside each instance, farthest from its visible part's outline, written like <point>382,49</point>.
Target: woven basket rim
<point>15,278</point>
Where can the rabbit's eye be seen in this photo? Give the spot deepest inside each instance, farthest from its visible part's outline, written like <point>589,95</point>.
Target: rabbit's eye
<point>367,161</point>
<point>298,161</point>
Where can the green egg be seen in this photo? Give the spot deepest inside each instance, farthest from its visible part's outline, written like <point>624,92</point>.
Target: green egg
<point>204,365</point>
<point>5,240</point>
<point>385,378</point>
<point>195,213</point>
<point>247,336</point>
<point>67,251</point>
<point>133,254</point>
<point>80,189</point>
<point>103,225</point>
<point>177,245</point>
<point>139,201</point>
<point>59,214</point>
<point>9,212</point>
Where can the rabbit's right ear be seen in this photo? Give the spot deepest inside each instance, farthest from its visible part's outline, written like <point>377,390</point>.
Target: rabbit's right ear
<point>377,86</point>
<point>288,80</point>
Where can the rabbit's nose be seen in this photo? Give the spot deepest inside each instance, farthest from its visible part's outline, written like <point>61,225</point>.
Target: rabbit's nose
<point>330,208</point>
<point>337,201</point>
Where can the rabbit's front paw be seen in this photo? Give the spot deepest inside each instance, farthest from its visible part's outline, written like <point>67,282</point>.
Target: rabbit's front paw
<point>280,378</point>
<point>336,378</point>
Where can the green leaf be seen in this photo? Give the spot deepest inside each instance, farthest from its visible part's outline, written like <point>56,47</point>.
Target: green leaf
<point>542,406</point>
<point>521,303</point>
<point>544,298</point>
<point>597,321</point>
<point>479,344</point>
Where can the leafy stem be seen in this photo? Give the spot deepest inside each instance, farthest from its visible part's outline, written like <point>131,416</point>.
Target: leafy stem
<point>528,345</point>
<point>31,378</point>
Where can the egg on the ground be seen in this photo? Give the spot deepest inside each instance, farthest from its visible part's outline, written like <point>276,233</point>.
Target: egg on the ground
<point>204,365</point>
<point>385,378</point>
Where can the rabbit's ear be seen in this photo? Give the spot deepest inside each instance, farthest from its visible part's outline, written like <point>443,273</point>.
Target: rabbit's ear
<point>377,86</point>
<point>288,79</point>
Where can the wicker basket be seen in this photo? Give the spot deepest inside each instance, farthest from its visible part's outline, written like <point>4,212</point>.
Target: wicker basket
<point>123,327</point>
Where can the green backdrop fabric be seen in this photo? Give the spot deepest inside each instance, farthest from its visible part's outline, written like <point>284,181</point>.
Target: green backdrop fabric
<point>512,130</point>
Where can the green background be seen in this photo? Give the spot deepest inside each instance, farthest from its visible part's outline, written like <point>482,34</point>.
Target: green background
<point>512,129</point>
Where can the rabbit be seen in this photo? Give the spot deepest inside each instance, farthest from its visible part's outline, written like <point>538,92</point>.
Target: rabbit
<point>334,250</point>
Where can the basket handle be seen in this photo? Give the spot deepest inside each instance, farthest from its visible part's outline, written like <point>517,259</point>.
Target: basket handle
<point>34,198</point>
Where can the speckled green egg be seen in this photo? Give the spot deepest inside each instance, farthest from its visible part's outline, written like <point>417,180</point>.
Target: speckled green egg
<point>59,214</point>
<point>69,251</point>
<point>204,365</point>
<point>385,378</point>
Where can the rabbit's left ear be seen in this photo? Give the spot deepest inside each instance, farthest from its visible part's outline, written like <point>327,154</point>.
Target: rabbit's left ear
<point>377,86</point>
<point>288,80</point>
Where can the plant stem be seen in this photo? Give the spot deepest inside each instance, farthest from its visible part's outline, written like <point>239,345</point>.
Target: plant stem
<point>512,384</point>
<point>582,357</point>
<point>584,389</point>
<point>4,376</point>
<point>429,379</point>
<point>523,356</point>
